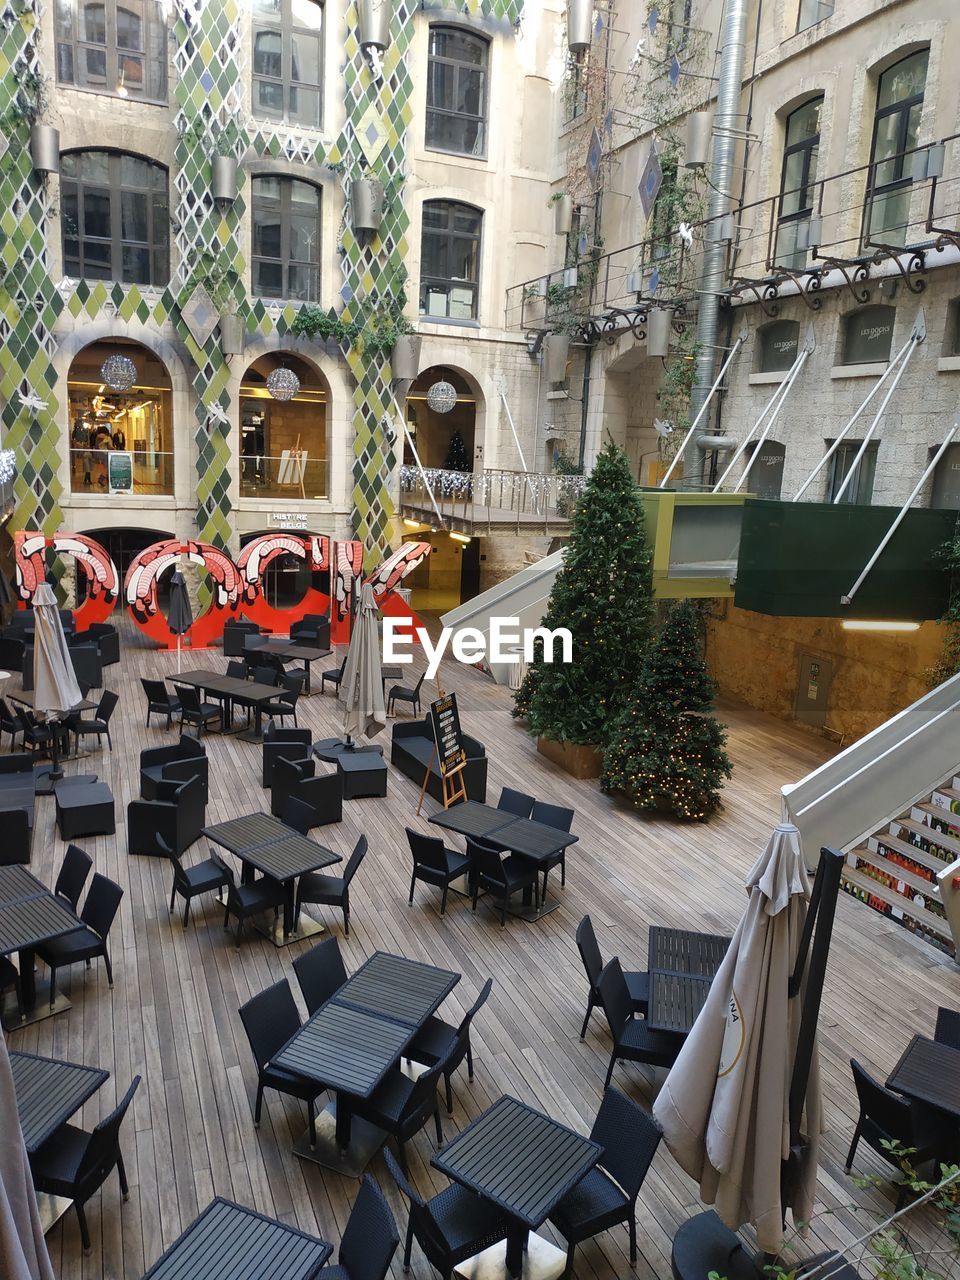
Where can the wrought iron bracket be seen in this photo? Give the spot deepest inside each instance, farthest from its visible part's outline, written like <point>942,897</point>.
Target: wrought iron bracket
<point>764,292</point>
<point>854,271</point>
<point>808,283</point>
<point>612,324</point>
<point>912,274</point>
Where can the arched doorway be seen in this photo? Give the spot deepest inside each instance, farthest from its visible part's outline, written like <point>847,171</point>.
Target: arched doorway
<point>288,578</point>
<point>284,447</point>
<point>444,440</point>
<point>120,440</point>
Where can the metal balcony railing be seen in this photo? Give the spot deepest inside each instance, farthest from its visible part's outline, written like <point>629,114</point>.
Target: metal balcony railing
<point>526,500</point>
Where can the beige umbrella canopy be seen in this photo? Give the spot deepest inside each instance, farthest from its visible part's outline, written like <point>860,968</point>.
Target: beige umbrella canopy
<point>55,688</point>
<point>23,1253</point>
<point>725,1106</point>
<point>361,689</point>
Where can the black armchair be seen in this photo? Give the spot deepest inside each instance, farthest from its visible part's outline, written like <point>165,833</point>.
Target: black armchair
<point>633,1041</point>
<point>332,891</point>
<point>608,1194</point>
<point>11,723</point>
<point>193,711</point>
<point>283,744</point>
<point>312,630</point>
<point>107,640</point>
<point>333,676</point>
<point>177,816</point>
<point>191,882</point>
<point>505,876</point>
<point>438,1040</point>
<point>887,1118</point>
<point>17,836</point>
<point>403,693</point>
<point>160,701</point>
<point>553,815</point>
<point>435,864</point>
<point>247,900</point>
<point>297,780</point>
<point>177,763</point>
<point>235,635</point>
<point>270,1019</point>
<point>638,984</point>
<point>402,1106</point>
<point>89,939</point>
<point>321,973</point>
<point>456,1224</point>
<point>369,1240</point>
<point>76,1164</point>
<point>73,874</point>
<point>99,726</point>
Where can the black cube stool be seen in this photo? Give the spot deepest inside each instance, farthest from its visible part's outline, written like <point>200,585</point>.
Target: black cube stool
<point>363,775</point>
<point>84,810</point>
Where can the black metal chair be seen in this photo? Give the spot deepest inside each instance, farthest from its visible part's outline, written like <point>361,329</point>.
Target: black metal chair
<point>490,870</point>
<point>73,874</point>
<point>38,735</point>
<point>369,1240</point>
<point>160,701</point>
<point>608,1194</point>
<point>177,815</point>
<point>17,836</point>
<point>89,939</point>
<point>454,1225</point>
<point>948,1027</point>
<point>633,1041</point>
<point>403,693</point>
<point>887,1118</point>
<point>638,984</point>
<point>265,673</point>
<point>320,972</point>
<point>191,882</point>
<point>11,723</point>
<point>247,900</point>
<point>435,864</point>
<point>402,1106</point>
<point>333,676</point>
<point>283,744</point>
<point>10,979</point>
<point>553,815</point>
<point>76,1164</point>
<point>236,670</point>
<point>516,802</point>
<point>438,1040</point>
<point>270,1019</point>
<point>187,758</point>
<point>332,891</point>
<point>99,726</point>
<point>195,712</point>
<point>286,704</point>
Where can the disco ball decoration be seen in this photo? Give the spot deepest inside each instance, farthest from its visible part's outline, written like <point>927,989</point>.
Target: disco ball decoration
<point>118,372</point>
<point>283,384</point>
<point>441,397</point>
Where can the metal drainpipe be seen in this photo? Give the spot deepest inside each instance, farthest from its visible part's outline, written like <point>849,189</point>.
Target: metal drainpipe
<point>714,256</point>
<point>585,403</point>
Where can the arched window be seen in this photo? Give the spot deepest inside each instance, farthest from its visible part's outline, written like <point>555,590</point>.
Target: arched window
<point>113,46</point>
<point>867,335</point>
<point>797,180</point>
<point>457,92</point>
<point>288,61</point>
<point>286,239</point>
<point>450,259</point>
<point>896,129</point>
<point>115,216</point>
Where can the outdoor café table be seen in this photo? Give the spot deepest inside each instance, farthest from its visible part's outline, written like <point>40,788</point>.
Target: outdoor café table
<point>49,1092</point>
<point>25,698</point>
<point>471,818</point>
<point>287,651</point>
<point>675,1000</point>
<point>930,1072</point>
<point>525,1163</point>
<point>229,1242</point>
<point>231,690</point>
<point>29,915</point>
<point>350,1044</point>
<point>269,845</point>
<point>682,964</point>
<point>540,843</point>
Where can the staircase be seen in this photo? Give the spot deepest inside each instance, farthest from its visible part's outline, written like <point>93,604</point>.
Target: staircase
<point>895,870</point>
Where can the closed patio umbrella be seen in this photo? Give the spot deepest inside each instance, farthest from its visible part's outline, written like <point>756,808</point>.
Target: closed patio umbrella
<point>55,688</point>
<point>181,613</point>
<point>23,1252</point>
<point>361,689</point>
<point>725,1107</point>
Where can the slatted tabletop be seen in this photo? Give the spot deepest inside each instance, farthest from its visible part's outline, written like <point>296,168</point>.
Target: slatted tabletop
<point>394,987</point>
<point>202,678</point>
<point>240,835</point>
<point>294,652</point>
<point>930,1072</point>
<point>291,856</point>
<point>49,1092</point>
<point>229,1242</point>
<point>471,818</point>
<point>519,1158</point>
<point>533,839</point>
<point>17,882</point>
<point>32,920</point>
<point>676,1000</point>
<point>683,951</point>
<point>346,1049</point>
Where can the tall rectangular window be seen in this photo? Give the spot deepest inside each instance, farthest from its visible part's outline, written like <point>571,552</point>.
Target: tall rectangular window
<point>288,62</point>
<point>113,46</point>
<point>450,260</point>
<point>286,239</point>
<point>457,92</point>
<point>797,182</point>
<point>896,130</point>
<point>860,489</point>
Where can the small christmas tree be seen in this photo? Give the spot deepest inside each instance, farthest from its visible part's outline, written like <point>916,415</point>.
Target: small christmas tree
<point>666,749</point>
<point>457,459</point>
<point>603,596</point>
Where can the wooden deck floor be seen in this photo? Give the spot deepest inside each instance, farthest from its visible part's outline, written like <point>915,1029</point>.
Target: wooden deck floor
<point>172,1014</point>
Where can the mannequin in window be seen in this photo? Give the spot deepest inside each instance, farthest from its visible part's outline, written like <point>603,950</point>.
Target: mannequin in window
<point>119,439</point>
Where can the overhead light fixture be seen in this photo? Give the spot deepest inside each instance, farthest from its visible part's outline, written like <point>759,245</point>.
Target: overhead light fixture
<point>864,624</point>
<point>460,537</point>
<point>412,524</point>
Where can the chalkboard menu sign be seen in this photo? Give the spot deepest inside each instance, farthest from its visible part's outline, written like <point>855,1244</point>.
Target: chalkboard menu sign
<point>447,734</point>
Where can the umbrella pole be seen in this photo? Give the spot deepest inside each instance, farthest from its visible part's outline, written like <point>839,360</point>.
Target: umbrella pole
<point>179,639</point>
<point>56,773</point>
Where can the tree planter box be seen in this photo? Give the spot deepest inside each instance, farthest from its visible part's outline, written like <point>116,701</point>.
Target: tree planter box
<point>576,759</point>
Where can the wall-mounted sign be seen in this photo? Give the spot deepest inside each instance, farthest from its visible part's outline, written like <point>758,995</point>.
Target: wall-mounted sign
<point>778,345</point>
<point>287,519</point>
<point>120,471</point>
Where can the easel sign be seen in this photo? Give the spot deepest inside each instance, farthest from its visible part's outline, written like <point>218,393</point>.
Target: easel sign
<point>448,749</point>
<point>293,468</point>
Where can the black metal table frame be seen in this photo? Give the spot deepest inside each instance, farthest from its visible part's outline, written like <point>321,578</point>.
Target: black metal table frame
<point>285,652</point>
<point>230,689</point>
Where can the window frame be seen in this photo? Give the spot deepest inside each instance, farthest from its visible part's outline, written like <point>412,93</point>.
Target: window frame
<point>806,146</point>
<point>286,28</point>
<point>114,190</point>
<point>903,107</point>
<point>482,119</point>
<point>452,237</point>
<point>286,181</point>
<point>821,17</point>
<point>864,477</point>
<point>153,22</point>
<point>847,320</point>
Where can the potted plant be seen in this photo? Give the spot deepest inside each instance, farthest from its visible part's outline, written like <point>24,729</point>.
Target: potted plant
<point>563,322</point>
<point>562,212</point>
<point>366,204</point>
<point>29,107</point>
<point>405,357</point>
<point>579,25</point>
<point>220,281</point>
<point>224,165</point>
<point>374,18</point>
<point>659,322</point>
<point>556,350</point>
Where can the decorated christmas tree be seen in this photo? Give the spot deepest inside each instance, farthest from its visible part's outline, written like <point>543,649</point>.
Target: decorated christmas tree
<point>666,749</point>
<point>603,595</point>
<point>457,459</point>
